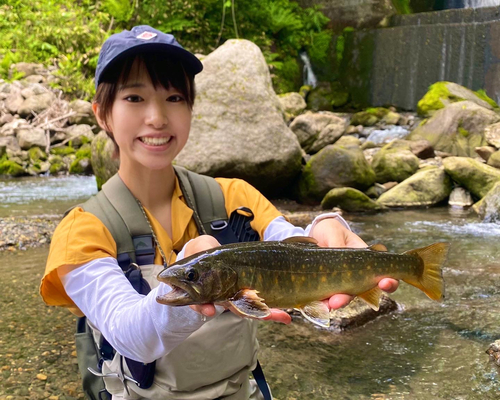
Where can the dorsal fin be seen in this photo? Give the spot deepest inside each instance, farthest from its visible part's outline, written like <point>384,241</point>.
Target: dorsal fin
<point>377,247</point>
<point>301,240</point>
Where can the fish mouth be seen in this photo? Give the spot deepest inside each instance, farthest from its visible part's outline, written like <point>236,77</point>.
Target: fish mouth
<point>178,296</point>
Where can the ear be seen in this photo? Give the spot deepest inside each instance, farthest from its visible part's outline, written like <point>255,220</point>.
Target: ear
<point>102,124</point>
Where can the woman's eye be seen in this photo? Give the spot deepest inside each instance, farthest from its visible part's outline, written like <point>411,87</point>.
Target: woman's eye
<point>133,99</point>
<point>175,98</point>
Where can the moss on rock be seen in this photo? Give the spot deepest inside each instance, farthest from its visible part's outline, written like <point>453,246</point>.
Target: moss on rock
<point>62,151</point>
<point>433,99</point>
<point>350,200</point>
<point>9,167</point>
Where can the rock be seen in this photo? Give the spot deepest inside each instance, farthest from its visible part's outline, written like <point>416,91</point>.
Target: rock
<point>36,154</point>
<point>391,118</point>
<point>6,118</point>
<point>494,160</point>
<point>380,136</point>
<point>9,129</point>
<point>34,90</point>
<point>474,176</point>
<point>26,69</point>
<point>485,152</point>
<point>488,208</point>
<point>292,103</point>
<point>370,153</point>
<point>13,101</point>
<point>494,352</point>
<point>492,135</point>
<point>459,197</point>
<point>350,200</point>
<point>442,94</point>
<point>10,143</point>
<point>237,127</point>
<point>358,313</point>
<point>36,104</point>
<point>34,79</point>
<point>81,166</point>
<point>376,191</point>
<point>80,134</point>
<point>84,114</point>
<point>427,187</point>
<point>334,166</point>
<point>321,127</point>
<point>29,137</point>
<point>12,168</point>
<point>394,162</point>
<point>422,149</point>
<point>364,118</point>
<point>457,129</point>
<point>104,163</point>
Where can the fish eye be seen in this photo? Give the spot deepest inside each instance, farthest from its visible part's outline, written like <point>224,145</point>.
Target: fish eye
<point>191,274</point>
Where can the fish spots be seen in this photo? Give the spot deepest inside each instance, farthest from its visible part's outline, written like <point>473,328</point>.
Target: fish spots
<point>368,267</point>
<point>345,266</point>
<point>304,266</point>
<point>321,268</point>
<point>303,278</point>
<point>293,278</point>
<point>243,274</point>
<point>323,279</point>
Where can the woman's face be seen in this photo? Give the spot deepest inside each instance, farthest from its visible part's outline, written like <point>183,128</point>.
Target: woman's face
<point>150,126</point>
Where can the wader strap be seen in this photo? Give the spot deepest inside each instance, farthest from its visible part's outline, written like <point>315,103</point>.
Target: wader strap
<point>259,377</point>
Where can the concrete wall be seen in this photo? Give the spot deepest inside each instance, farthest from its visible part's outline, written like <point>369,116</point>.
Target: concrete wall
<point>396,65</point>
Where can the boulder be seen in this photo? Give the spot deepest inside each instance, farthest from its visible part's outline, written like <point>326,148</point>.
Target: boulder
<point>83,113</point>
<point>36,104</point>
<point>9,129</point>
<point>442,94</point>
<point>376,191</point>
<point>427,187</point>
<point>494,159</point>
<point>488,208</point>
<point>292,103</point>
<point>471,174</point>
<point>29,137</point>
<point>316,130</point>
<point>395,162</point>
<point>492,135</point>
<point>104,163</point>
<point>80,134</point>
<point>10,143</point>
<point>26,69</point>
<point>13,101</point>
<point>338,165</point>
<point>457,129</point>
<point>237,127</point>
<point>422,149</point>
<point>485,152</point>
<point>11,168</point>
<point>459,197</point>
<point>350,200</point>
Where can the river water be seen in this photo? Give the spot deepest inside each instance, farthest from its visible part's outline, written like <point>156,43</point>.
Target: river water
<point>428,350</point>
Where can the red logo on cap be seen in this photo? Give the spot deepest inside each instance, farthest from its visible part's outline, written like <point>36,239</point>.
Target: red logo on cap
<point>146,35</point>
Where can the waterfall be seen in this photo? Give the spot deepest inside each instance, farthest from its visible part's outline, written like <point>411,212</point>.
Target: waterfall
<point>309,77</point>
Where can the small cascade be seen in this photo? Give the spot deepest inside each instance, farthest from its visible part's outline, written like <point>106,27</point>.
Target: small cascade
<point>309,77</point>
<point>470,3</point>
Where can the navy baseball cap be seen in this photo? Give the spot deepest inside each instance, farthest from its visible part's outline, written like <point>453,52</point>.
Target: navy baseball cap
<point>141,39</point>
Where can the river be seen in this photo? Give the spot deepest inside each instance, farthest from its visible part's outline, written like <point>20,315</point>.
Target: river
<point>427,350</point>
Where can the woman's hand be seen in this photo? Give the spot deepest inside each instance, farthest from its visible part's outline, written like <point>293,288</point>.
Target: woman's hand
<point>332,233</point>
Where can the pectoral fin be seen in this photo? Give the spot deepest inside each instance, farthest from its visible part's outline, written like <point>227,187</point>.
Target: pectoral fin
<point>248,304</point>
<point>372,297</point>
<point>317,312</point>
<point>377,247</point>
<point>301,240</point>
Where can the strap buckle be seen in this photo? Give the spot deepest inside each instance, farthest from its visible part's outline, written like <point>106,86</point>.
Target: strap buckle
<point>218,225</point>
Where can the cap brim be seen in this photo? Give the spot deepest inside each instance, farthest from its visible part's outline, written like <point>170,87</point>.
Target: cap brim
<point>189,61</point>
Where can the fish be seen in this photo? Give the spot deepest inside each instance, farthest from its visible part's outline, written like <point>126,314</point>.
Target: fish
<point>250,278</point>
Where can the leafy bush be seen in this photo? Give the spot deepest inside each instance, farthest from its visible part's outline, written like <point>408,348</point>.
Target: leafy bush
<point>69,33</point>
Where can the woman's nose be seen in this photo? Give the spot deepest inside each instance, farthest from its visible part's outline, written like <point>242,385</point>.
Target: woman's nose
<point>156,116</point>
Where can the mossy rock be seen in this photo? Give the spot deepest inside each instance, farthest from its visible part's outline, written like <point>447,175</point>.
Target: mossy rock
<point>63,150</point>
<point>55,168</point>
<point>395,162</point>
<point>441,94</point>
<point>350,200</point>
<point>9,167</point>
<point>81,166</point>
<point>364,118</point>
<point>36,154</point>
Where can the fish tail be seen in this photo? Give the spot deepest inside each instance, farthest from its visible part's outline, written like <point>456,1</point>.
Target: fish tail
<point>431,281</point>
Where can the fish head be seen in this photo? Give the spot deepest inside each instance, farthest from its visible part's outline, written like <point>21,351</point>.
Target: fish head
<point>199,281</point>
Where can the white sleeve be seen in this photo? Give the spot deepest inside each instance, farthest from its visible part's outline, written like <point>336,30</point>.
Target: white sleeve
<point>279,228</point>
<point>137,326</point>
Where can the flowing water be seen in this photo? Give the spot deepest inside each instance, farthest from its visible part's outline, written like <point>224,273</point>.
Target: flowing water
<point>428,350</point>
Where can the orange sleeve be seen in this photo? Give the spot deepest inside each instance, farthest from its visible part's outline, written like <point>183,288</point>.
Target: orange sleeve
<point>79,238</point>
<point>238,193</point>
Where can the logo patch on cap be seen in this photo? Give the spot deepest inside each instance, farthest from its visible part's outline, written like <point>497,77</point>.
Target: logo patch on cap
<point>146,35</point>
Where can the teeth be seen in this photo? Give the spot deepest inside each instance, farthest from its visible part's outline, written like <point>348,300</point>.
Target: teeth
<point>155,141</point>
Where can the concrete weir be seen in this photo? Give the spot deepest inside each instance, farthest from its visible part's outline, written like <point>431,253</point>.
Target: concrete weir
<point>397,64</point>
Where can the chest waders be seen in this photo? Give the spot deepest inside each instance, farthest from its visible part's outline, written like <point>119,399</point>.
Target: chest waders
<point>119,211</point>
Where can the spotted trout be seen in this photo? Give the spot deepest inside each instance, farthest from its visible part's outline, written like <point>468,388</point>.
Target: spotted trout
<point>250,278</point>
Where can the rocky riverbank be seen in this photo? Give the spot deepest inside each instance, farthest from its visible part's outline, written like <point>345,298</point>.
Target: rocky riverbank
<point>21,233</point>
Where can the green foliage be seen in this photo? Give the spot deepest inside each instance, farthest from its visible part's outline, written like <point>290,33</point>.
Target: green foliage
<point>483,96</point>
<point>402,6</point>
<point>69,34</point>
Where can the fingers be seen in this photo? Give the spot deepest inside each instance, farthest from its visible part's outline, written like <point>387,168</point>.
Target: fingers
<point>207,310</point>
<point>339,300</point>
<point>279,316</point>
<point>201,243</point>
<point>388,285</point>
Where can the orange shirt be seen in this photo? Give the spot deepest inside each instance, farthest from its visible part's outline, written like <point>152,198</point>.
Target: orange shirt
<point>81,237</point>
